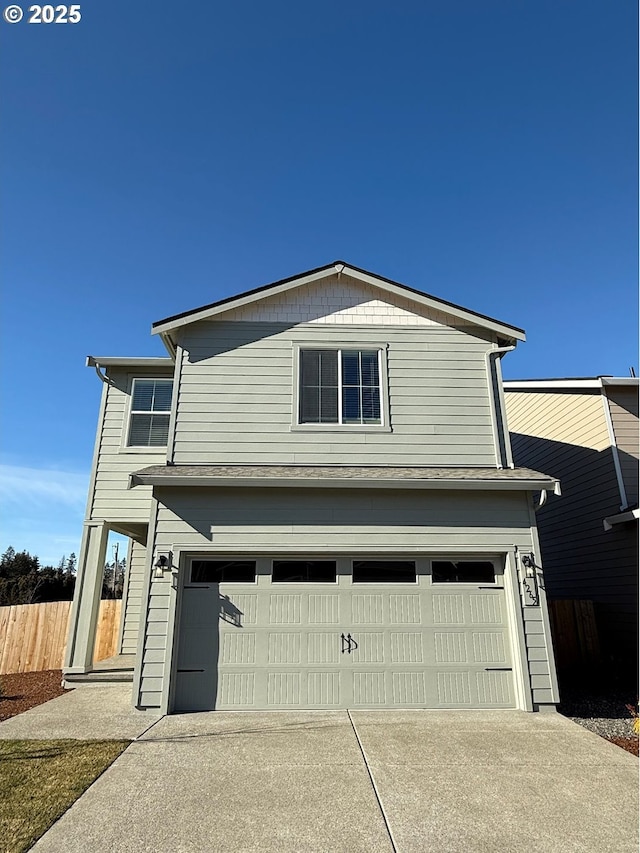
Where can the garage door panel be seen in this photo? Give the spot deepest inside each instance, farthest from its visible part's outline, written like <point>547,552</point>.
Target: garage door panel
<point>489,647</point>
<point>424,645</point>
<point>450,647</point>
<point>495,688</point>
<point>238,648</point>
<point>324,609</point>
<point>448,609</point>
<point>409,688</point>
<point>485,609</point>
<point>369,688</point>
<point>285,689</point>
<point>237,690</point>
<point>324,689</point>
<point>367,608</point>
<point>284,648</point>
<point>284,609</point>
<point>370,648</point>
<point>405,609</point>
<point>406,646</point>
<point>454,689</point>
<point>323,648</point>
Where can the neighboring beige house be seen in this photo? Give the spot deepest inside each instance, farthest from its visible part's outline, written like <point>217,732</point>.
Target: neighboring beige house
<point>585,431</point>
<point>323,513</point>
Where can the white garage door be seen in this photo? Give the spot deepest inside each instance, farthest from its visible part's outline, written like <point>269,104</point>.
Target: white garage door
<point>276,633</point>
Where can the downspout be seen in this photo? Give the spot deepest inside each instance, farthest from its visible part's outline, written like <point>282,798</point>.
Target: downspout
<point>494,412</point>
<point>103,377</point>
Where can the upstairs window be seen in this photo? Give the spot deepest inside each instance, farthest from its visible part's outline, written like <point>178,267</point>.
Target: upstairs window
<point>150,408</point>
<point>340,386</point>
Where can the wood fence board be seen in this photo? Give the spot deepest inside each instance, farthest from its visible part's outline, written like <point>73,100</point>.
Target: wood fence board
<point>4,634</point>
<point>575,634</point>
<point>33,637</point>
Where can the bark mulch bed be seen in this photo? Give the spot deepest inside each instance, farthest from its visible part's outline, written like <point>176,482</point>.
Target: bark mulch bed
<point>23,690</point>
<point>628,743</point>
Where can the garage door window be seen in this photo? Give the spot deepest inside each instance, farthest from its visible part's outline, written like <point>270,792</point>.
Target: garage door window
<point>463,571</point>
<point>304,571</point>
<point>384,571</point>
<point>223,571</point>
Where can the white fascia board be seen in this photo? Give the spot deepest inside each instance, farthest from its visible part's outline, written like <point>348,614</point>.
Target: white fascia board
<point>550,384</point>
<point>597,382</point>
<point>99,361</point>
<point>405,293</point>
<point>239,302</point>
<point>292,482</point>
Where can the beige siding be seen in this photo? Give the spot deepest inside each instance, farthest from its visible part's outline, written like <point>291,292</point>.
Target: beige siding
<point>135,583</point>
<point>236,397</point>
<point>112,500</point>
<point>344,300</point>
<point>581,559</point>
<point>274,520</point>
<point>571,418</point>
<point>623,403</point>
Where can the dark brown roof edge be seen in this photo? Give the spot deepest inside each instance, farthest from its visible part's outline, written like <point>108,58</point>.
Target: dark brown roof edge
<point>263,288</point>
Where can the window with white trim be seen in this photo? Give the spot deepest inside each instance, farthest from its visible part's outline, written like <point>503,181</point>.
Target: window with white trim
<point>340,386</point>
<point>150,409</point>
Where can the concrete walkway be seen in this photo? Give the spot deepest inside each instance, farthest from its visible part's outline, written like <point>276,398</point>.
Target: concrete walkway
<point>412,781</point>
<point>87,713</point>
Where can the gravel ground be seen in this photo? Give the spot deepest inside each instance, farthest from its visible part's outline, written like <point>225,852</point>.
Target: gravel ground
<point>606,715</point>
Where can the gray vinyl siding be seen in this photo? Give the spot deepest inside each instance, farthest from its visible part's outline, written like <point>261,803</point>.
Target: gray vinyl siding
<point>112,500</point>
<point>581,559</point>
<point>623,405</point>
<point>132,604</point>
<point>236,397</point>
<point>278,520</point>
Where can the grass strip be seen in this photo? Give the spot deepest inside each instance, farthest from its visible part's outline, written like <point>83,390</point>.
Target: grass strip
<point>40,779</point>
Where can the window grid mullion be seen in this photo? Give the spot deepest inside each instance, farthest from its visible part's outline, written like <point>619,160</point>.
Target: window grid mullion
<point>360,390</point>
<point>380,406</point>
<point>339,386</point>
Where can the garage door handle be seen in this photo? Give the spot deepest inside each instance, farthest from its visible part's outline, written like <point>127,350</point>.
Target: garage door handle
<point>348,643</point>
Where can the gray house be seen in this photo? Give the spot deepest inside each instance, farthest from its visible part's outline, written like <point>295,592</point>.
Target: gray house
<point>322,507</point>
<point>585,431</point>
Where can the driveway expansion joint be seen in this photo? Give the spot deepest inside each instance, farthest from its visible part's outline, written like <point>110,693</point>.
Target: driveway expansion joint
<point>373,785</point>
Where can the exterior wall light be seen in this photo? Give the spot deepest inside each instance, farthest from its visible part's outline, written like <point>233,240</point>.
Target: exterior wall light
<point>162,563</point>
<point>530,581</point>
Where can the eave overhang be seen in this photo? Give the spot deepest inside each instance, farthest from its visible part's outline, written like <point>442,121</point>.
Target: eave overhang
<point>571,384</point>
<point>109,361</point>
<point>342,477</point>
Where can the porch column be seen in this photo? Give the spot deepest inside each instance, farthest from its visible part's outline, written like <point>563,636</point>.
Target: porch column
<point>86,598</point>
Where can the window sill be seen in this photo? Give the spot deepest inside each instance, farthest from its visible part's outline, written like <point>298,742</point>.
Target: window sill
<point>141,450</point>
<point>340,428</point>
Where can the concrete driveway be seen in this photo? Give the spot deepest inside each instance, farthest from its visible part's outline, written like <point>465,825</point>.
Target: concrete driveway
<point>464,782</point>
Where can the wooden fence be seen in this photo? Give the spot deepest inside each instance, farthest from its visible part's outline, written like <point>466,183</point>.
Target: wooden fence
<point>33,637</point>
<point>575,635</point>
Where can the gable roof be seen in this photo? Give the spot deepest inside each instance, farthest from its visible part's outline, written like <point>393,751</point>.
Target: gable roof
<point>166,326</point>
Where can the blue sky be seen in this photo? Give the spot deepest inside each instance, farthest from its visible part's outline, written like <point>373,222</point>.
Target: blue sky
<point>159,156</point>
